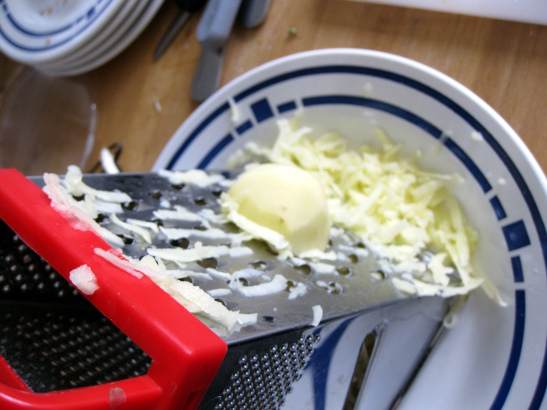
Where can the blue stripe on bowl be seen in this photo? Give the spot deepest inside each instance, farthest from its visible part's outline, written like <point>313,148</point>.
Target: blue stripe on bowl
<point>498,208</point>
<point>246,126</point>
<point>47,47</point>
<point>518,274</point>
<point>376,104</point>
<point>215,151</point>
<point>516,350</point>
<point>196,132</point>
<point>468,162</point>
<point>286,107</point>
<point>262,110</point>
<point>541,386</point>
<point>516,235</point>
<point>490,140</point>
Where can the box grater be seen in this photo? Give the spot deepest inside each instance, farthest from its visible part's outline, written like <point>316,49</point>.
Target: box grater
<point>130,345</point>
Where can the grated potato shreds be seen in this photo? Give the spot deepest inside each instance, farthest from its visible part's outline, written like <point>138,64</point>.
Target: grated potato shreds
<point>399,211</point>
<point>81,214</point>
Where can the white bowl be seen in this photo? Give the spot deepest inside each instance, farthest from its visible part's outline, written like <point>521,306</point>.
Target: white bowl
<point>496,356</point>
<point>104,48</point>
<point>37,32</point>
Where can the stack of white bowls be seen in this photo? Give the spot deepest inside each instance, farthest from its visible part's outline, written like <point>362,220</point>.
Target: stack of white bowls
<point>70,37</point>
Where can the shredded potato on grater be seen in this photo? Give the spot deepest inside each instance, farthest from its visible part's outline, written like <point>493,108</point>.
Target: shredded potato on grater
<point>405,215</point>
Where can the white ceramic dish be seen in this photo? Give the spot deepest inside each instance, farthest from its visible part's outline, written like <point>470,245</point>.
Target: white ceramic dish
<point>125,16</point>
<point>37,32</point>
<point>127,33</point>
<point>496,357</point>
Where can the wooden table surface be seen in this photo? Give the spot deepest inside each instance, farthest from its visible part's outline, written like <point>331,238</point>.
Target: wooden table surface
<point>504,63</point>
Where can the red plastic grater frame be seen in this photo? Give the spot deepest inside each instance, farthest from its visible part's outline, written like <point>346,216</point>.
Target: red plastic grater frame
<point>185,353</point>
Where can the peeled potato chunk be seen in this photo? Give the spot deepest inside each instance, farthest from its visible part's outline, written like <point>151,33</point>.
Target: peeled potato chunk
<point>287,200</point>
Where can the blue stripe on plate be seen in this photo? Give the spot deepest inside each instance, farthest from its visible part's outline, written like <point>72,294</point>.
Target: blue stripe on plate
<point>518,274</point>
<point>477,126</point>
<point>541,386</point>
<point>215,151</point>
<point>516,350</point>
<point>194,134</point>
<point>286,107</point>
<point>498,208</point>
<point>376,104</point>
<point>47,47</point>
<point>246,126</point>
<point>468,162</point>
<point>262,110</point>
<point>516,235</point>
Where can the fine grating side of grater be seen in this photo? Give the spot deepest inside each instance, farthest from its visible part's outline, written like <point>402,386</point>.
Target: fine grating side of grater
<point>54,339</point>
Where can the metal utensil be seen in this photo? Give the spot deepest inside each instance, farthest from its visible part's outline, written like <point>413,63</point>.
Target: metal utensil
<point>187,7</point>
<point>253,12</point>
<point>213,31</point>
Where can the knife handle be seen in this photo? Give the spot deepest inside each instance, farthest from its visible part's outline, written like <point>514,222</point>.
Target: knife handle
<point>217,21</point>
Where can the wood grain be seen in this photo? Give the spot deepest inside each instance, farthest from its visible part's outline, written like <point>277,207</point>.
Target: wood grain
<point>504,63</point>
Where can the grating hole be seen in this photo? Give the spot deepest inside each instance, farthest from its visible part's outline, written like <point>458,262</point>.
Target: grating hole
<point>259,265</point>
<point>303,269</point>
<point>156,194</point>
<point>200,200</point>
<point>344,271</point>
<point>208,263</point>
<point>178,186</point>
<point>130,206</point>
<point>378,275</point>
<point>180,243</point>
<point>331,287</point>
<point>217,191</point>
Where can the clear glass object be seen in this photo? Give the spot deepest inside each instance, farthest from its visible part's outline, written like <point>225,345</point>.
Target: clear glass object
<point>46,123</point>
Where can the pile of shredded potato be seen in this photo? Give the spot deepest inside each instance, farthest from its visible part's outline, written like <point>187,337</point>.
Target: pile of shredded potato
<point>405,215</point>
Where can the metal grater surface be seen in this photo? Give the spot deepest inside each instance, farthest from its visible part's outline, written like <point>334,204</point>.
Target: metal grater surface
<point>353,286</point>
<point>50,334</point>
<point>265,361</point>
<point>260,376</point>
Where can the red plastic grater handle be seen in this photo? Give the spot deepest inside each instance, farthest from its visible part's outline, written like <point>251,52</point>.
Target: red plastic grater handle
<point>185,353</point>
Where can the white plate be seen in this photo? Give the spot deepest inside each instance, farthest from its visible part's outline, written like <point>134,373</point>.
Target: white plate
<point>110,34</point>
<point>110,49</point>
<point>38,32</point>
<point>496,357</point>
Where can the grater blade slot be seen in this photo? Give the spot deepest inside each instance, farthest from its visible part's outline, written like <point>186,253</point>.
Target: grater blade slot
<point>362,367</point>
